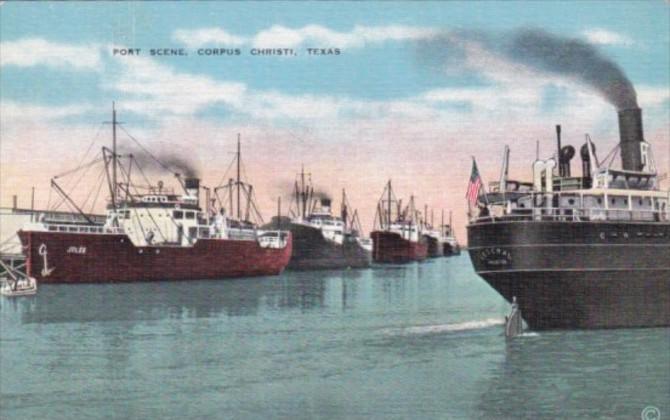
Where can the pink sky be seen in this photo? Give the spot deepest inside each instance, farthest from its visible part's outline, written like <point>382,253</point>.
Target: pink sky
<point>426,158</point>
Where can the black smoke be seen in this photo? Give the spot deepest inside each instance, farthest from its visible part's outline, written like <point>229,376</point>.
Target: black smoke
<point>541,50</point>
<point>321,195</point>
<point>179,165</point>
<point>164,162</point>
<point>576,58</point>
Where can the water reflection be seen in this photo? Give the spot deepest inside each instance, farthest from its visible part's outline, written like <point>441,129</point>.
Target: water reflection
<point>153,301</point>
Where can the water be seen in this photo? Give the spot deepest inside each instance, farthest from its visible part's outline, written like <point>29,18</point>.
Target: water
<point>419,341</point>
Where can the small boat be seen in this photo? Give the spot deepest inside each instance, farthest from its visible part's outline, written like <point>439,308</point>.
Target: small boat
<point>15,283</point>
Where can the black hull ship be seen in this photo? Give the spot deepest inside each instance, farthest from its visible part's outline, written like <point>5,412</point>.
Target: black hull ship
<point>312,251</point>
<point>580,252</point>
<point>321,240</point>
<point>435,249</point>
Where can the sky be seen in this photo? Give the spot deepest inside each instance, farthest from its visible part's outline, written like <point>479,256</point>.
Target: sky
<point>417,90</point>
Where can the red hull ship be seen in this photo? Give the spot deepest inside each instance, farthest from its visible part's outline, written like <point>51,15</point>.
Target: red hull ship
<point>55,257</point>
<point>398,237</point>
<point>157,235</point>
<point>390,247</point>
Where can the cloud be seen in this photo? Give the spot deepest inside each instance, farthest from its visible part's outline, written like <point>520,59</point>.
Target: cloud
<point>156,89</point>
<point>207,36</point>
<point>153,89</point>
<point>319,36</point>
<point>599,36</point>
<point>652,96</point>
<point>14,111</point>
<point>30,52</point>
<point>279,36</point>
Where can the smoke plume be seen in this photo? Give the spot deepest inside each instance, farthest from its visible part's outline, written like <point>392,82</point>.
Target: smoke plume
<point>576,58</point>
<point>163,162</point>
<point>179,164</point>
<point>321,194</point>
<point>539,50</point>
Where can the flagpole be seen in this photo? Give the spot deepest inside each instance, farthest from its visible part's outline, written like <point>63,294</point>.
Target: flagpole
<point>482,178</point>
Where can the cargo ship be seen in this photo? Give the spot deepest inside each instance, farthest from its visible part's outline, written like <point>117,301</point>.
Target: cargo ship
<point>448,241</point>
<point>579,252</point>
<point>398,237</point>
<point>153,233</point>
<point>431,235</point>
<point>322,240</point>
<point>440,239</point>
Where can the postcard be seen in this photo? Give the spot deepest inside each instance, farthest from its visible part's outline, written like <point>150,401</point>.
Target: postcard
<point>334,210</point>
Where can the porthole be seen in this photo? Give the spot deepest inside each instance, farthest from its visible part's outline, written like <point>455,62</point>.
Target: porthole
<point>158,251</point>
<point>141,251</point>
<point>571,201</point>
<point>602,235</point>
<point>625,235</point>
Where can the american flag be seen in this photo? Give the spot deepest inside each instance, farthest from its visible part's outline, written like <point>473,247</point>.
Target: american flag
<point>474,186</point>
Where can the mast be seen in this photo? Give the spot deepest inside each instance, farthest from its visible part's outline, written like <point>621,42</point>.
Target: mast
<point>303,195</point>
<point>279,213</point>
<point>450,225</point>
<point>238,177</point>
<point>114,185</point>
<point>412,216</point>
<point>442,229</point>
<point>389,206</point>
<point>343,209</point>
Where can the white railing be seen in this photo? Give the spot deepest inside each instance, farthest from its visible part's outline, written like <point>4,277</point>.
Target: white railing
<point>575,215</point>
<point>72,228</point>
<point>273,239</point>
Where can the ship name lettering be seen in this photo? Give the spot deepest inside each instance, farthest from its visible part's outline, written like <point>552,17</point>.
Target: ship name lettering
<point>495,257</point>
<point>81,250</point>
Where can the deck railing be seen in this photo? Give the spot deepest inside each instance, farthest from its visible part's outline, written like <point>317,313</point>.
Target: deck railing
<point>574,215</point>
<point>77,228</point>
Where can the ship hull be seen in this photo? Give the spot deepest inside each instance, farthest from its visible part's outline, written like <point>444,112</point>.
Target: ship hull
<point>55,257</point>
<point>435,248</point>
<point>449,250</point>
<point>311,251</point>
<point>569,275</point>
<point>390,247</point>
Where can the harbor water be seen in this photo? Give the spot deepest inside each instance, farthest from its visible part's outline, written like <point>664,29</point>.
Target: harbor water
<point>415,341</point>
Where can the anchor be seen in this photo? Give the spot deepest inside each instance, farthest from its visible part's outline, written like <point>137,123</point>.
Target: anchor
<point>514,322</point>
<point>46,271</point>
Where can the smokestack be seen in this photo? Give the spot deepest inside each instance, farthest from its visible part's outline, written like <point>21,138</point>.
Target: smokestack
<point>558,149</point>
<point>325,205</point>
<point>586,161</point>
<point>192,186</point>
<point>630,133</point>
